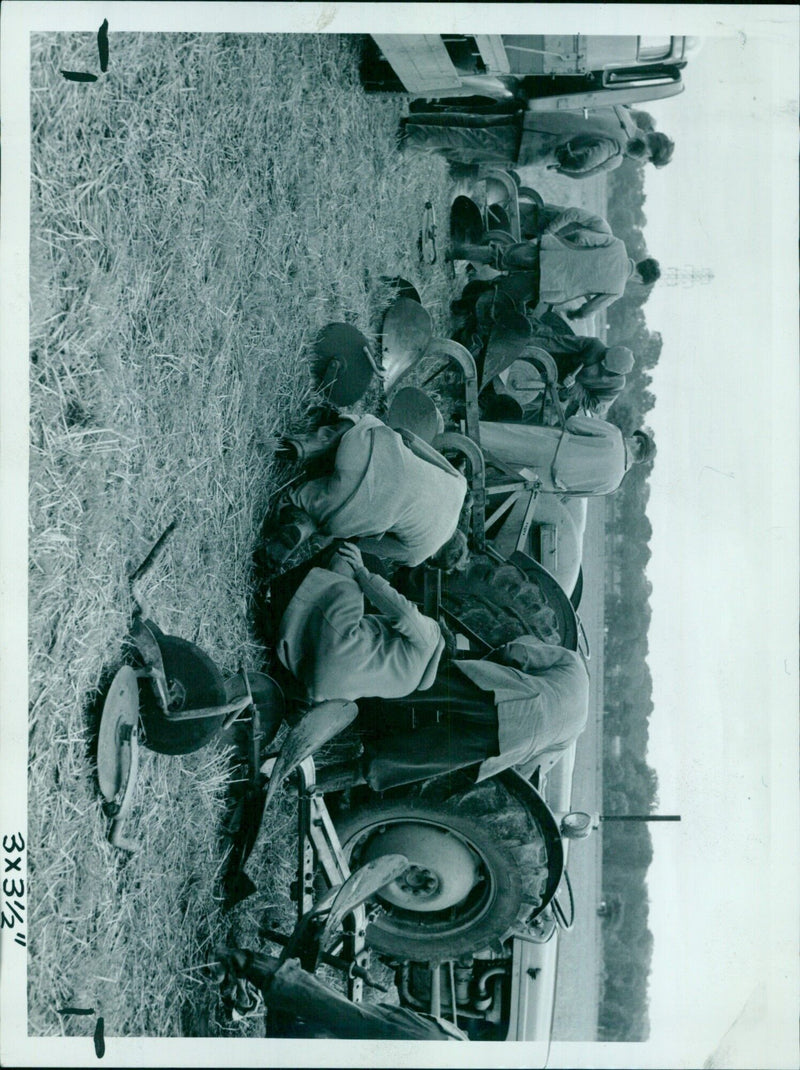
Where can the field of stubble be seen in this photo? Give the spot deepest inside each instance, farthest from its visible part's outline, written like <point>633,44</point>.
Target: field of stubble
<point>197,215</point>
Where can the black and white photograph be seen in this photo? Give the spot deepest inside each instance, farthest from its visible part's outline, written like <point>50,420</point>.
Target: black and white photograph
<point>399,535</point>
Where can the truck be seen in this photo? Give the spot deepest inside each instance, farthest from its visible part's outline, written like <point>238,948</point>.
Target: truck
<point>540,72</point>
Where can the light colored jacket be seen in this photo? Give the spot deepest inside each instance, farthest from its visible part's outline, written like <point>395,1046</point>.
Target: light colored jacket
<point>403,491</point>
<point>588,457</point>
<point>337,651</point>
<point>591,457</point>
<point>542,698</point>
<point>580,257</point>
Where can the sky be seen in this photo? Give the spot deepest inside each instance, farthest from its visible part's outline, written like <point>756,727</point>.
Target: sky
<point>723,507</point>
<point>723,639</point>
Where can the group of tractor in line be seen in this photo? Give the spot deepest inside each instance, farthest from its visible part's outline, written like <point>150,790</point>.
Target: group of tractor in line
<point>411,597</point>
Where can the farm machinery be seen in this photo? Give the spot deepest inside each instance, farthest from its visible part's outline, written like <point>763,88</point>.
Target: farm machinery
<point>456,885</point>
<point>458,879</point>
<point>469,926</point>
<point>485,877</point>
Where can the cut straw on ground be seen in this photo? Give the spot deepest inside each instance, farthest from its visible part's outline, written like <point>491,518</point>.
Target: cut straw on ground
<point>197,215</point>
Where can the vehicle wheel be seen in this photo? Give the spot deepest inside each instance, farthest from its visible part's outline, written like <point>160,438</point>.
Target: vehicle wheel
<point>476,864</point>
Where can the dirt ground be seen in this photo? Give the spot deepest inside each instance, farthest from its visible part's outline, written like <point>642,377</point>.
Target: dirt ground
<point>580,954</point>
<point>194,223</point>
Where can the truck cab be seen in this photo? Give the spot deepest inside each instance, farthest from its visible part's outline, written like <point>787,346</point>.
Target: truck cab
<point>547,72</point>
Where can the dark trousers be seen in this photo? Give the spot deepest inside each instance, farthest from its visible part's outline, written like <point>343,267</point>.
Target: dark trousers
<point>491,140</point>
<point>451,725</point>
<point>515,292</point>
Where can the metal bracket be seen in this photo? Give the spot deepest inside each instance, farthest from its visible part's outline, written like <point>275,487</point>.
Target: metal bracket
<point>510,187</point>
<point>477,479</point>
<point>461,356</point>
<point>319,842</point>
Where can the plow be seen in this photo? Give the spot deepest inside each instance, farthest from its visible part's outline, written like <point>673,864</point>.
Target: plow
<point>446,878</point>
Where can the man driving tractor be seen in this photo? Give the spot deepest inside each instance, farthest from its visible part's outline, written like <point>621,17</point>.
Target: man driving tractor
<point>425,711</point>
<point>336,650</point>
<point>400,498</point>
<point>522,706</point>
<point>575,256</point>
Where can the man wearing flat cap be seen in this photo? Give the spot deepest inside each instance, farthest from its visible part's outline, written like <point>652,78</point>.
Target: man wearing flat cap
<point>587,457</point>
<point>593,385</point>
<point>591,375</point>
<point>336,650</point>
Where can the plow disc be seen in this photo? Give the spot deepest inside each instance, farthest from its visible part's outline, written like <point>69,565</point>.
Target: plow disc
<point>193,683</point>
<point>343,363</point>
<point>407,332</point>
<point>413,410</point>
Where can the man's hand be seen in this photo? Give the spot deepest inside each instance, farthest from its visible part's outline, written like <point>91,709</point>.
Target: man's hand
<point>350,554</point>
<point>566,157</point>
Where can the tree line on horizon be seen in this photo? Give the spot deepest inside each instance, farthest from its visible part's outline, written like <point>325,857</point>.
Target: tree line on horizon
<point>630,786</point>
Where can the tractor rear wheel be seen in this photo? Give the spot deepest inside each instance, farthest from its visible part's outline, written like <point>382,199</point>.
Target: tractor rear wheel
<point>477,865</point>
